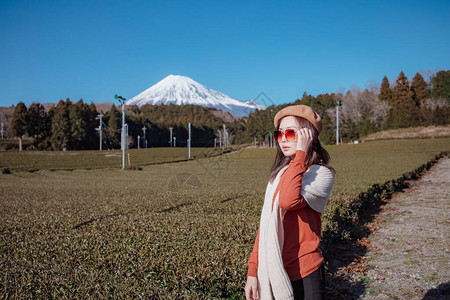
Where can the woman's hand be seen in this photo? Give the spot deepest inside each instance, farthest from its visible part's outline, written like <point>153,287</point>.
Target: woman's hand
<point>304,139</point>
<point>251,288</point>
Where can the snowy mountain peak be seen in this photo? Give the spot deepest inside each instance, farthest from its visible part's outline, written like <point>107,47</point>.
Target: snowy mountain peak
<point>181,90</point>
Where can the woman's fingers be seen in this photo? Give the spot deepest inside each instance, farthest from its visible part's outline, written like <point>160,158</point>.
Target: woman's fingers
<point>304,139</point>
<point>251,288</point>
<point>309,131</point>
<point>247,293</point>
<point>255,292</point>
<point>305,132</point>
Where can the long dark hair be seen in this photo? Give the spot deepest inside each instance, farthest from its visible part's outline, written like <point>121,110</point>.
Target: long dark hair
<point>316,155</point>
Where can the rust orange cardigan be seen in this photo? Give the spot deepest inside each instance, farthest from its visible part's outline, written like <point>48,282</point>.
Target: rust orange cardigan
<point>302,225</point>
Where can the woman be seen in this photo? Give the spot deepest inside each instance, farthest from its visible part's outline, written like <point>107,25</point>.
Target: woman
<point>286,262</point>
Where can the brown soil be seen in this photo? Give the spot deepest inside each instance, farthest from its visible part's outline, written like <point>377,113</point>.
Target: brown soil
<point>407,254</point>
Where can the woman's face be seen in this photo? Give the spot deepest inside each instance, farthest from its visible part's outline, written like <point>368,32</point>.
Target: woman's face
<point>289,148</point>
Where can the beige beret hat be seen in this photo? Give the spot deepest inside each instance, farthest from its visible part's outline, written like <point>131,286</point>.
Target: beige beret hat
<point>302,111</point>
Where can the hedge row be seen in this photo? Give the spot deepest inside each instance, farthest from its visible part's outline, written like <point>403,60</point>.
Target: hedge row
<point>345,221</point>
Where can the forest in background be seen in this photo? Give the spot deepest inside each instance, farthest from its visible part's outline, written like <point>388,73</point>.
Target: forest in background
<point>73,125</point>
<point>361,112</point>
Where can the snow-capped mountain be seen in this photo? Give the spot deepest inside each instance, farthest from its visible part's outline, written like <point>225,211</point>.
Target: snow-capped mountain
<point>181,90</point>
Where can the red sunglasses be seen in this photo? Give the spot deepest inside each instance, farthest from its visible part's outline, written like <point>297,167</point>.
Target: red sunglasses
<point>288,133</point>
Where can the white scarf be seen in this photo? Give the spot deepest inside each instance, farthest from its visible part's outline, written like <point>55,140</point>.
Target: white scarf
<point>273,280</point>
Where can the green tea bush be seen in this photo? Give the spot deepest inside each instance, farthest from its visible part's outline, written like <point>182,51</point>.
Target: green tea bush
<point>345,217</point>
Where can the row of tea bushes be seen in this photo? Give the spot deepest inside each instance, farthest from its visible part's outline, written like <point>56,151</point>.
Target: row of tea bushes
<point>344,221</point>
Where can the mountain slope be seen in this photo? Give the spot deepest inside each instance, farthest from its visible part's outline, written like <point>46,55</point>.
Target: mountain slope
<point>181,90</point>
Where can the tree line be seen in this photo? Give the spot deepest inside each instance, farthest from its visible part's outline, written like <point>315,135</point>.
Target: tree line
<point>403,104</point>
<point>64,126</point>
<point>73,126</point>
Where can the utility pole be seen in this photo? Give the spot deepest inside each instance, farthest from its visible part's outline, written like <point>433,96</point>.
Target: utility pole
<point>227,138</point>
<point>2,130</point>
<point>122,100</point>
<point>170,128</point>
<point>100,128</point>
<point>126,136</point>
<point>270,139</point>
<point>338,103</point>
<point>189,140</point>
<point>174,141</point>
<point>224,136</point>
<point>145,139</point>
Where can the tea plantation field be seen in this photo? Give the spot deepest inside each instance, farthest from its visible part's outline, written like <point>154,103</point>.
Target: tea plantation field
<point>95,159</point>
<point>169,230</point>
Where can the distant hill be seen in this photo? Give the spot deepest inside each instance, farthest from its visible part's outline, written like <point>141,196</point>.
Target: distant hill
<point>103,107</point>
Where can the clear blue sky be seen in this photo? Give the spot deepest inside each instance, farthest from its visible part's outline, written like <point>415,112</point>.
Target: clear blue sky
<point>52,50</point>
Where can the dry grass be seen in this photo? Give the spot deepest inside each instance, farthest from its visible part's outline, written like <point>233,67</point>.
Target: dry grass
<point>410,133</point>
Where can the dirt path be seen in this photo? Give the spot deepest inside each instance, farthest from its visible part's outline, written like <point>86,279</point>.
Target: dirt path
<point>411,248</point>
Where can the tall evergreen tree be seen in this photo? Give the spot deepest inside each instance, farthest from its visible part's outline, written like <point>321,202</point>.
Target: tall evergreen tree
<point>51,113</point>
<point>37,124</point>
<point>114,126</point>
<point>60,138</point>
<point>441,85</point>
<point>77,125</point>
<point>385,92</point>
<point>401,92</point>
<point>405,112</point>
<point>419,89</point>
<point>92,136</point>
<point>19,122</point>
